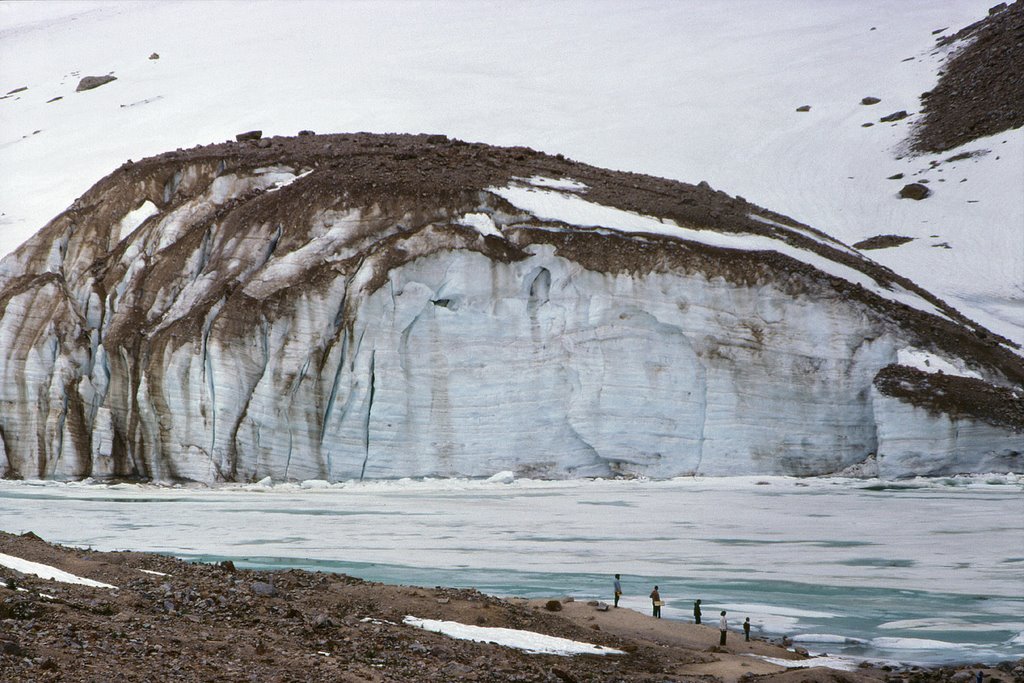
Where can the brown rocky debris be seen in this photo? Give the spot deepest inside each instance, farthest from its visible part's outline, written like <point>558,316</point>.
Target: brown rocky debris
<point>883,242</point>
<point>980,91</point>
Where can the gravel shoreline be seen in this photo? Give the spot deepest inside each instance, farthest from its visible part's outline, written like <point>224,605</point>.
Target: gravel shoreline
<point>171,620</point>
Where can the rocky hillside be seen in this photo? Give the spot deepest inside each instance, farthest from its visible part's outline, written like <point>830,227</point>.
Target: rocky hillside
<point>980,90</point>
<point>375,306</point>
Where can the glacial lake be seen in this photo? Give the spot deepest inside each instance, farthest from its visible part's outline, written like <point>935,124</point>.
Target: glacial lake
<point>925,571</point>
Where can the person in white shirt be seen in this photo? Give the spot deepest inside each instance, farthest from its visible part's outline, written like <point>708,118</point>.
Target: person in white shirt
<point>723,627</point>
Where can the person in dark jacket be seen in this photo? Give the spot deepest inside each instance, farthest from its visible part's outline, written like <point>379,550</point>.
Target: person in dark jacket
<point>746,629</point>
<point>656,602</point>
<point>696,611</point>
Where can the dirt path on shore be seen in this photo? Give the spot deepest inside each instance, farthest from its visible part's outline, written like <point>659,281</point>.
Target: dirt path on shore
<point>738,659</point>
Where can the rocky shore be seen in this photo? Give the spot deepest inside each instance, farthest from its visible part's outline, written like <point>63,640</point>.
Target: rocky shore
<point>171,620</point>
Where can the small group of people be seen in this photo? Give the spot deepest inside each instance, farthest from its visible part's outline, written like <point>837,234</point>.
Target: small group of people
<point>657,602</point>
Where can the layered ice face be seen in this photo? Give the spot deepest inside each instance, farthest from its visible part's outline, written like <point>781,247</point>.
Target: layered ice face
<point>220,318</point>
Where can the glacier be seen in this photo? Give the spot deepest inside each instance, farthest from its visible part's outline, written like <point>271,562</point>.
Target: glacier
<point>386,306</point>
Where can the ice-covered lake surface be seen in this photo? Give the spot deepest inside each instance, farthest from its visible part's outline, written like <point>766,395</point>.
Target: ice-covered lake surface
<point>922,571</point>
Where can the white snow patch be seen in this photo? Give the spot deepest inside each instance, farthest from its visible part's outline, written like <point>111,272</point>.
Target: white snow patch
<point>931,363</point>
<point>150,571</point>
<point>133,219</point>
<point>573,210</point>
<point>285,179</point>
<point>823,239</point>
<point>45,571</point>
<point>557,184</point>
<point>480,222</point>
<point>528,641</point>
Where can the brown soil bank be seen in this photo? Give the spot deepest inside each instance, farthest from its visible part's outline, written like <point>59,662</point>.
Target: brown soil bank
<point>169,620</point>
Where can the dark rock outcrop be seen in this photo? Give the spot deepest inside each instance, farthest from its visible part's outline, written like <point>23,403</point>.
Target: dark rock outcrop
<point>90,82</point>
<point>980,91</point>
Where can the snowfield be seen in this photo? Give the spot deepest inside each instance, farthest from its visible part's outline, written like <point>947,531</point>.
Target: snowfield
<point>689,91</point>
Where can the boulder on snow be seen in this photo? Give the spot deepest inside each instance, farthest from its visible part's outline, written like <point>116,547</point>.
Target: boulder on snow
<point>882,242</point>
<point>805,107</point>
<point>90,82</point>
<point>895,116</point>
<point>154,56</point>
<point>870,100</point>
<point>915,191</point>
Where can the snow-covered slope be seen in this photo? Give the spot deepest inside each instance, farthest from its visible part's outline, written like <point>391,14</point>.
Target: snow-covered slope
<point>687,90</point>
<point>335,307</point>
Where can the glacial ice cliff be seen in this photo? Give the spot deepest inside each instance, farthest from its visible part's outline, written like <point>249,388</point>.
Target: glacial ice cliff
<point>363,306</point>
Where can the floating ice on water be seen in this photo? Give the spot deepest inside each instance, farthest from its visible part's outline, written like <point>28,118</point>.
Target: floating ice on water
<point>915,644</point>
<point>841,663</point>
<point>824,638</point>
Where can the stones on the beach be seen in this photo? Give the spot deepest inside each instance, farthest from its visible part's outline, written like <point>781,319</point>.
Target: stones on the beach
<point>10,647</point>
<point>265,589</point>
<point>553,606</point>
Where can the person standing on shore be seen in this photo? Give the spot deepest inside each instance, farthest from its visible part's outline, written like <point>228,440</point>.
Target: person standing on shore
<point>618,589</point>
<point>746,629</point>
<point>656,602</point>
<point>723,627</point>
<point>696,611</point>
